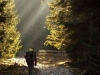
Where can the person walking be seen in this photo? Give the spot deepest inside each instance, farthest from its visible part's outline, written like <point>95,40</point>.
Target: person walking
<point>31,60</point>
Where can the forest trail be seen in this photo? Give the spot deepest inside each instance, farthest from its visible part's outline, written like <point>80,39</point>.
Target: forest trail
<point>45,66</point>
<point>48,66</point>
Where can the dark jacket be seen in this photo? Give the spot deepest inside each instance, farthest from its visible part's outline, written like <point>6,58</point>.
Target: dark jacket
<point>32,55</point>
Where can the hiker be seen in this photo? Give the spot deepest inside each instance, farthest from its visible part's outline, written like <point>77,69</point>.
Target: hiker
<point>31,59</point>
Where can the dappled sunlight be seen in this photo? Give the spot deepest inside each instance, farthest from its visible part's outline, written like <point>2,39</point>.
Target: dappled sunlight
<point>47,65</point>
<point>12,61</point>
<point>44,59</point>
<point>62,62</point>
<point>52,60</point>
<point>21,61</point>
<point>42,66</point>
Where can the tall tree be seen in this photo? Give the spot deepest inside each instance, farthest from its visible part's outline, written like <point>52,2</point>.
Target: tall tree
<point>80,22</point>
<point>57,37</point>
<point>88,21</point>
<point>9,35</point>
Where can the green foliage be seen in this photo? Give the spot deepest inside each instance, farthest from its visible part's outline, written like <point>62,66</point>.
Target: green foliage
<point>9,36</point>
<point>57,37</point>
<point>79,21</point>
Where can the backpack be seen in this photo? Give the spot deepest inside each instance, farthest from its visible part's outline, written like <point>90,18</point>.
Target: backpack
<point>30,56</point>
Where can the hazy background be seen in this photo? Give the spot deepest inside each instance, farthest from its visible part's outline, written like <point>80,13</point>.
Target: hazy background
<point>32,15</point>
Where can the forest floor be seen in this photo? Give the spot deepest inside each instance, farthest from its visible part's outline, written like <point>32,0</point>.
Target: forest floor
<point>45,66</point>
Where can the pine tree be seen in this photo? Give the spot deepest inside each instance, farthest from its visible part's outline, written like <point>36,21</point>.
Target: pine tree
<point>82,49</point>
<point>9,35</point>
<point>57,37</point>
<point>81,32</point>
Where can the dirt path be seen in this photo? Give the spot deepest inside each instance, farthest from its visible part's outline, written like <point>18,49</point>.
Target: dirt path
<point>48,66</point>
<point>45,66</point>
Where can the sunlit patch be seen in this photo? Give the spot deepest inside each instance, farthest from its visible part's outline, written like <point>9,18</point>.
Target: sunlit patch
<point>43,57</point>
<point>42,66</point>
<point>62,62</point>
<point>19,61</point>
<point>67,66</point>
